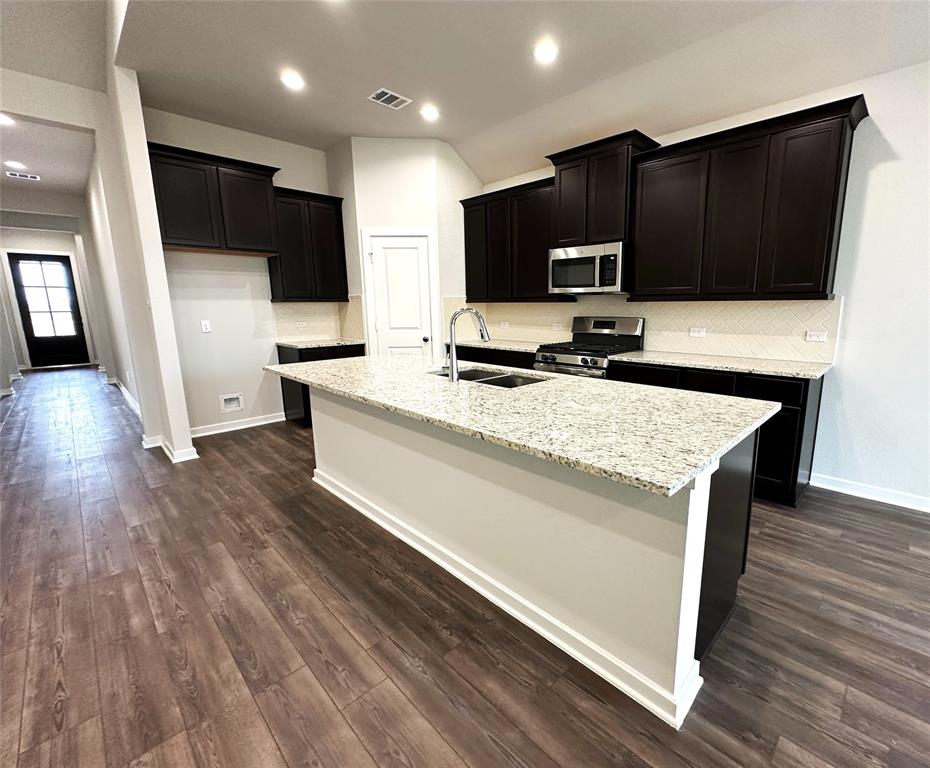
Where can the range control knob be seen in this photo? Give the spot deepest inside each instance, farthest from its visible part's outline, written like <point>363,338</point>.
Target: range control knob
<point>584,361</point>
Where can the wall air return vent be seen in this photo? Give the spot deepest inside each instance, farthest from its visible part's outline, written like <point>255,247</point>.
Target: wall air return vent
<point>18,175</point>
<point>389,99</point>
<point>230,403</point>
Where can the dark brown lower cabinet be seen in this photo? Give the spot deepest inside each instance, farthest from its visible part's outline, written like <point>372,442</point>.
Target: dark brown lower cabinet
<point>297,396</point>
<point>786,441</point>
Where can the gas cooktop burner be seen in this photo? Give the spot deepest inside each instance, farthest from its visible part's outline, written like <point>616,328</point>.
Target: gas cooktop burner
<point>597,350</point>
<point>594,339</point>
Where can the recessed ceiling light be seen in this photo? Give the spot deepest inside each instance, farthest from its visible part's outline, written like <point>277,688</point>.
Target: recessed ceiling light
<point>6,119</point>
<point>545,51</point>
<point>429,112</point>
<point>15,165</point>
<point>292,79</point>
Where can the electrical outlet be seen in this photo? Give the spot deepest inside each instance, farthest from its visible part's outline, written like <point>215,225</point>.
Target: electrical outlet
<point>504,324</point>
<point>815,336</point>
<point>205,326</point>
<point>301,323</point>
<point>698,333</point>
<point>557,326</point>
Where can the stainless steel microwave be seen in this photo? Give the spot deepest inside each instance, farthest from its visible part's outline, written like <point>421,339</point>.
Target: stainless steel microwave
<point>586,269</point>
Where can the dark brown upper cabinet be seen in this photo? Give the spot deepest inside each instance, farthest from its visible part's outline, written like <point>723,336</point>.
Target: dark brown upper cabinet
<point>772,209</point>
<point>188,201</point>
<point>213,203</point>
<point>670,204</point>
<point>802,204</point>
<point>592,190</point>
<point>498,248</point>
<point>247,201</point>
<point>311,261</point>
<point>507,241</point>
<point>476,251</point>
<point>530,218</point>
<point>735,198</point>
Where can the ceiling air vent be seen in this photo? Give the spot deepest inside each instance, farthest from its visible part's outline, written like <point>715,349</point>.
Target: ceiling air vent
<point>18,175</point>
<point>389,99</point>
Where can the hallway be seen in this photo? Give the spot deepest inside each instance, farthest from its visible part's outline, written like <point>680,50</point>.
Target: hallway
<point>228,612</point>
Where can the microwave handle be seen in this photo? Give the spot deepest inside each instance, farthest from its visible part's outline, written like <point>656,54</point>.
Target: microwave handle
<point>597,271</point>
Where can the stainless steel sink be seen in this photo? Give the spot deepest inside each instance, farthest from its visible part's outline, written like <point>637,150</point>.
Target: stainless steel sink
<point>495,378</point>
<point>511,380</point>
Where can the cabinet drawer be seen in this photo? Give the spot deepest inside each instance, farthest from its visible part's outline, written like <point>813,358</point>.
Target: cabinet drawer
<point>715,382</point>
<point>784,391</point>
<point>653,375</point>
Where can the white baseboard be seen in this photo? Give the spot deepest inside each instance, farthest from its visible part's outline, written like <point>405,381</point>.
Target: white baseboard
<point>871,492</point>
<point>151,441</point>
<point>6,392</point>
<point>232,426</point>
<point>178,456</point>
<point>15,377</point>
<point>130,400</point>
<point>651,695</point>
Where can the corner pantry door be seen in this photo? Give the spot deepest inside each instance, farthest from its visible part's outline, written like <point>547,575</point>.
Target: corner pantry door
<point>398,287</point>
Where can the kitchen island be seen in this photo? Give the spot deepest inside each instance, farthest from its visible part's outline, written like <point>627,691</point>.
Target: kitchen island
<point>611,518</point>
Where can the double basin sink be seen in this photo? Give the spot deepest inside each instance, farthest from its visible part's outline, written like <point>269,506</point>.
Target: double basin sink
<point>495,378</point>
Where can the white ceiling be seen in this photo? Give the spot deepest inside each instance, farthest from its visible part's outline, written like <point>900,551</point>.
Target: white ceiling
<point>62,40</point>
<point>61,156</point>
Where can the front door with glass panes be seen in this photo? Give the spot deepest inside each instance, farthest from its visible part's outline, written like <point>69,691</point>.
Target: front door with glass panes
<point>49,309</point>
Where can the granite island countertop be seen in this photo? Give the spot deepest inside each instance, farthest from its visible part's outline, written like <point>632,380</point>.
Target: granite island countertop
<point>790,368</point>
<point>651,438</point>
<point>314,343</point>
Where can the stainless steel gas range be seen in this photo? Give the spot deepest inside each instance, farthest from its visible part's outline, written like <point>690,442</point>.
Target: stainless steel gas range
<point>594,340</point>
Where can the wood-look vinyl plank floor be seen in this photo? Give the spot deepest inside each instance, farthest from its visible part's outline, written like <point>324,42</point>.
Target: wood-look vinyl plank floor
<point>229,612</point>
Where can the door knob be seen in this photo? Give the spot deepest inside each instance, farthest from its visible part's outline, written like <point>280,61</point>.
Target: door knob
<point>425,339</point>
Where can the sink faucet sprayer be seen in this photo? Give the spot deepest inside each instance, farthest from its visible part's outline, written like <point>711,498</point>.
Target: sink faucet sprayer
<point>482,332</point>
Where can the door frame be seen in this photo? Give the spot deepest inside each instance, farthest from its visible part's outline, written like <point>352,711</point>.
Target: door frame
<point>368,283</point>
<point>78,289</point>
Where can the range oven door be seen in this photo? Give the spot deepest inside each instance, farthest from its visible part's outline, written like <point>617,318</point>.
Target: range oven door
<point>591,373</point>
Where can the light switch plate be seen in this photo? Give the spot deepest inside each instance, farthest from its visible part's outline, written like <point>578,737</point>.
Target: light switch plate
<point>557,326</point>
<point>301,323</point>
<point>504,324</point>
<point>698,333</point>
<point>205,326</point>
<point>815,336</point>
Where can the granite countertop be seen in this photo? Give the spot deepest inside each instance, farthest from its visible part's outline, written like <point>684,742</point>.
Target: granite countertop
<point>510,345</point>
<point>311,343</point>
<point>791,368</point>
<point>652,438</point>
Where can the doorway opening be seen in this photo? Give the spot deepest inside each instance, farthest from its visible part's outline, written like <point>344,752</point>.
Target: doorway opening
<point>49,309</point>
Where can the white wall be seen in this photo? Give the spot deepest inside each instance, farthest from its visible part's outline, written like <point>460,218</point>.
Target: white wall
<point>301,167</point>
<point>9,369</point>
<point>874,431</point>
<point>234,294</point>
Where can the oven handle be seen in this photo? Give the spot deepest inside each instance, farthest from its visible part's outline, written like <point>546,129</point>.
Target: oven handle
<point>591,373</point>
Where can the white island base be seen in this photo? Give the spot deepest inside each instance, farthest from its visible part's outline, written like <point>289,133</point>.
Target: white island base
<point>609,573</point>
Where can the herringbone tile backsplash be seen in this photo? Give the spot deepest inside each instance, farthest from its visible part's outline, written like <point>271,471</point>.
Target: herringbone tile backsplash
<point>764,329</point>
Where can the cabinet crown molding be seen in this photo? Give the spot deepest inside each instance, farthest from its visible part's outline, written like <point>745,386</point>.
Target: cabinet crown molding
<point>204,157</point>
<point>637,141</point>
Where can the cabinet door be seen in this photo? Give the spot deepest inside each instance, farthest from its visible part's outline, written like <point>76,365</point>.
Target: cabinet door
<point>327,247</point>
<point>476,252</point>
<point>669,233</point>
<point>530,217</point>
<point>800,208</point>
<point>608,179</point>
<point>735,199</point>
<point>571,192</point>
<point>188,202</point>
<point>248,210</point>
<point>293,261</point>
<point>777,458</point>
<point>498,245</point>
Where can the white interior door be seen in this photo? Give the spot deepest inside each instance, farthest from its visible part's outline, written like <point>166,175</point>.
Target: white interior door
<point>401,294</point>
